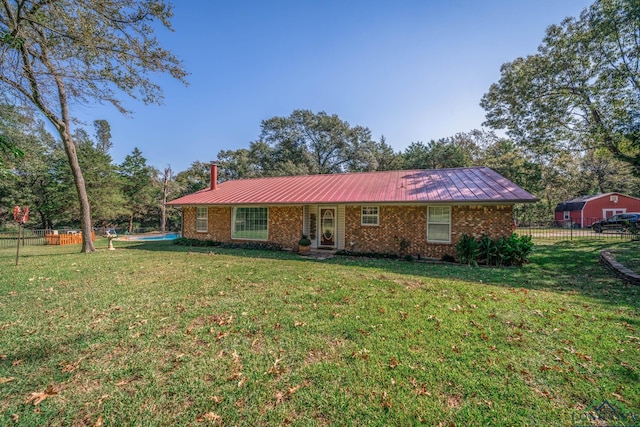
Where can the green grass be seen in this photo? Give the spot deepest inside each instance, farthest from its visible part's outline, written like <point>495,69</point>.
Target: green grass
<point>157,334</point>
<point>629,256</point>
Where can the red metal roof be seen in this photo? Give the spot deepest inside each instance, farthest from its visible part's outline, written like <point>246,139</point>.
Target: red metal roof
<point>464,185</point>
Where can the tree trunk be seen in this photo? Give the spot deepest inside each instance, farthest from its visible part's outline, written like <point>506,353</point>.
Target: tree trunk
<point>131,223</point>
<point>78,179</point>
<point>43,220</point>
<point>165,192</point>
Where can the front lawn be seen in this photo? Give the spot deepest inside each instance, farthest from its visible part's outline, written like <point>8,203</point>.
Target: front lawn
<point>157,334</point>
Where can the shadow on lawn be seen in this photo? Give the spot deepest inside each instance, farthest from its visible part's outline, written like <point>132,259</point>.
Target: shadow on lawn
<point>565,267</point>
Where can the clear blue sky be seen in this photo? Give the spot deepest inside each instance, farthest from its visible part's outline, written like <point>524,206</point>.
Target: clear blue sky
<point>408,70</point>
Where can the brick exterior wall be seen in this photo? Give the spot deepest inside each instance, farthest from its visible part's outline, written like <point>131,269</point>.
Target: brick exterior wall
<point>409,224</point>
<point>285,225</point>
<point>218,227</point>
<point>397,223</point>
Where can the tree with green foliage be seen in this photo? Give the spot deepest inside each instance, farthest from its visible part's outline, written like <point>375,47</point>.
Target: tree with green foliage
<point>26,178</point>
<point>307,142</point>
<point>193,179</point>
<point>103,135</point>
<point>454,152</point>
<point>580,91</point>
<point>138,185</point>
<point>104,188</point>
<point>10,118</point>
<point>55,54</point>
<point>235,164</point>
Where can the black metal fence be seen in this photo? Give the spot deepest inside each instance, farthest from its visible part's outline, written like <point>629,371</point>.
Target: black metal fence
<point>8,238</point>
<point>569,230</point>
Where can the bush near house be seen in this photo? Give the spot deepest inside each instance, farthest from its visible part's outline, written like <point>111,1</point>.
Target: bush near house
<point>505,251</point>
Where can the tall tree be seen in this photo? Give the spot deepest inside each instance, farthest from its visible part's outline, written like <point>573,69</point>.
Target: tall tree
<point>26,179</point>
<point>313,143</point>
<point>54,54</point>
<point>103,135</point>
<point>138,185</point>
<point>581,91</point>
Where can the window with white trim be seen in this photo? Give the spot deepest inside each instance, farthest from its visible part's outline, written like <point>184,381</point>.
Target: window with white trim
<point>202,219</point>
<point>250,223</point>
<point>370,215</point>
<point>439,224</point>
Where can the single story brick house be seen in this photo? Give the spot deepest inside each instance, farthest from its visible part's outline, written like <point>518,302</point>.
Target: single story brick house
<point>415,212</point>
<point>585,210</point>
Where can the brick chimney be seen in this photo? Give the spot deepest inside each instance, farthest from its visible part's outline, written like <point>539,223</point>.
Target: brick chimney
<point>214,175</point>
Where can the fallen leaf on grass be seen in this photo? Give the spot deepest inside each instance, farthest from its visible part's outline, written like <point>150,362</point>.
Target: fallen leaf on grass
<point>386,401</point>
<point>293,389</point>
<point>15,418</point>
<point>393,363</point>
<point>71,366</point>
<point>583,356</point>
<point>476,324</point>
<point>211,417</point>
<point>98,422</point>
<point>37,397</point>
<point>279,396</point>
<point>454,401</point>
<point>16,362</point>
<point>221,335</point>
<point>628,327</point>
<point>275,369</point>
<point>6,380</point>
<point>362,354</point>
<point>420,389</point>
<point>619,397</point>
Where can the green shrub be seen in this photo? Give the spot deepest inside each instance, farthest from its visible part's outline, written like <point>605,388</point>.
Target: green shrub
<point>487,251</point>
<point>505,251</point>
<point>468,250</point>
<point>264,246</point>
<point>377,255</point>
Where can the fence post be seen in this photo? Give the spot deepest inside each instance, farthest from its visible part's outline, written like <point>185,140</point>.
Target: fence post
<point>571,228</point>
<point>18,246</point>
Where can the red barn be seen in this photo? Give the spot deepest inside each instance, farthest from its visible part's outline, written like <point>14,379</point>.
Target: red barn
<point>584,211</point>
